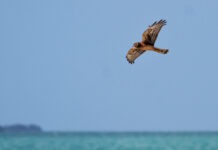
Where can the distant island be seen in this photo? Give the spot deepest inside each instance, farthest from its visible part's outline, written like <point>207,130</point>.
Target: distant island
<point>20,128</point>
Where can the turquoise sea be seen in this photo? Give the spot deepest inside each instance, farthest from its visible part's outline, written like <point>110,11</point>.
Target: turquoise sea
<point>109,141</point>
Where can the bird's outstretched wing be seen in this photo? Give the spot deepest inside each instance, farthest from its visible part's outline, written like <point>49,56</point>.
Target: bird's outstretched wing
<point>150,35</point>
<point>133,53</point>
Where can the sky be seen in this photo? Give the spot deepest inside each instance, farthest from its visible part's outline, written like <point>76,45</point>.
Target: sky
<point>63,65</point>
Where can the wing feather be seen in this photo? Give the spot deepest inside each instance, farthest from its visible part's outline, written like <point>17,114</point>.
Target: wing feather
<point>150,35</point>
<point>133,53</point>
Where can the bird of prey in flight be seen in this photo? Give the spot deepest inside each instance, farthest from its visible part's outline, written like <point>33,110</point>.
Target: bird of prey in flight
<point>148,40</point>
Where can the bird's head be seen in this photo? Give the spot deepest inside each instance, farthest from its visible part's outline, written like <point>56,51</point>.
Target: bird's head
<point>137,44</point>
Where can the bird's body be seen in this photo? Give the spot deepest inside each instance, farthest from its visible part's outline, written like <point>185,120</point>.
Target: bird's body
<point>148,40</point>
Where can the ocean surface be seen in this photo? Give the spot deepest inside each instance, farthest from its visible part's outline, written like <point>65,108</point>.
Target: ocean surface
<point>109,141</point>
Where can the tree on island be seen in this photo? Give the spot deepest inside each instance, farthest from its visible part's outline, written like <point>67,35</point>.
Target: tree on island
<point>20,128</point>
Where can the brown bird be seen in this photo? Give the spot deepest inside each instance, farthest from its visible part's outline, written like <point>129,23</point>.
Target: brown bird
<point>148,40</point>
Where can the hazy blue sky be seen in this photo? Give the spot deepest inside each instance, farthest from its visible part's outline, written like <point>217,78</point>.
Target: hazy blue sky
<point>63,66</point>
